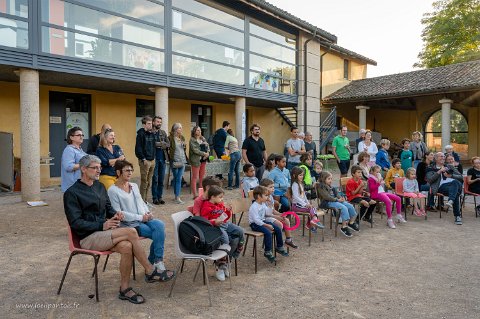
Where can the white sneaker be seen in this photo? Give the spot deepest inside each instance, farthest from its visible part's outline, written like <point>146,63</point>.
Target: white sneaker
<point>449,203</point>
<point>178,201</point>
<point>401,219</point>
<point>390,223</point>
<point>220,274</point>
<point>224,267</point>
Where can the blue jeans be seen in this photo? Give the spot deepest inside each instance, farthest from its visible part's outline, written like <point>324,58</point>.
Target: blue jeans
<point>177,180</point>
<point>347,212</point>
<point>234,167</point>
<point>415,163</point>
<point>232,235</point>
<point>267,240</point>
<point>453,191</point>
<point>157,181</point>
<point>155,230</point>
<point>284,202</point>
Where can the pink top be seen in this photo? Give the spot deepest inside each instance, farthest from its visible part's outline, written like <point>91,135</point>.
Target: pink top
<point>373,185</point>
<point>197,205</point>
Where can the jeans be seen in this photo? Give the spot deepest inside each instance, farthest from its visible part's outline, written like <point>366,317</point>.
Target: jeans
<point>231,234</point>
<point>347,211</point>
<point>415,163</point>
<point>177,179</point>
<point>267,240</point>
<point>155,230</point>
<point>284,202</point>
<point>453,191</point>
<point>259,172</point>
<point>158,178</point>
<point>234,167</point>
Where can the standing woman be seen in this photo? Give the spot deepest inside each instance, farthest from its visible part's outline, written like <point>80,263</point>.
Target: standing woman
<point>198,153</point>
<point>178,159</point>
<point>231,147</point>
<point>418,148</point>
<point>70,169</point>
<point>109,154</point>
<point>368,146</point>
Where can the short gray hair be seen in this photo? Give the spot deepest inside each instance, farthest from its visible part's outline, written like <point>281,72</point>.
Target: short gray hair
<point>447,147</point>
<point>88,159</point>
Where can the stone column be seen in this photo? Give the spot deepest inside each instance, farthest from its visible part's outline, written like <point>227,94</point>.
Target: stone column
<point>446,107</point>
<point>362,116</point>
<point>30,134</point>
<point>240,119</point>
<point>161,106</point>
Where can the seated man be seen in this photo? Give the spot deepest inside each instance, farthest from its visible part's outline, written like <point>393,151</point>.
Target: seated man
<point>95,222</point>
<point>448,181</point>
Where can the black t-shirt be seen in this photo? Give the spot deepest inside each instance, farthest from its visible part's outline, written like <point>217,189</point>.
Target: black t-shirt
<point>255,150</point>
<point>475,187</point>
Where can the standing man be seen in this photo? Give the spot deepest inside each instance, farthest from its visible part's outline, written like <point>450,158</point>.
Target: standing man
<point>219,139</point>
<point>310,145</point>
<point>295,147</point>
<point>95,139</point>
<point>161,147</point>
<point>92,218</point>
<point>254,151</point>
<point>145,152</point>
<point>341,151</point>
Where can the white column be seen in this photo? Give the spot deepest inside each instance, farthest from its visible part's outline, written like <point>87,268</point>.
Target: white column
<point>161,106</point>
<point>362,116</point>
<point>446,107</point>
<point>30,134</point>
<point>240,119</point>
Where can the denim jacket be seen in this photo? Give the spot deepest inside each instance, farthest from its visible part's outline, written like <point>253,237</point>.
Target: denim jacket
<point>281,180</point>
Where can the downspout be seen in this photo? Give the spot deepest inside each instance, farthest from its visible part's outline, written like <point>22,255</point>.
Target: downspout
<point>305,76</point>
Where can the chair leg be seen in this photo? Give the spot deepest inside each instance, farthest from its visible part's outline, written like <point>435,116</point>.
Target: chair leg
<point>255,252</point>
<point>105,264</point>
<point>133,268</point>
<point>196,271</point>
<point>245,246</point>
<point>65,272</point>
<point>240,219</point>
<point>236,267</point>
<point>323,229</point>
<point>183,263</point>
<point>96,259</point>
<point>180,265</point>
<point>208,284</point>
<point>204,268</point>
<point>331,218</point>
<point>229,265</point>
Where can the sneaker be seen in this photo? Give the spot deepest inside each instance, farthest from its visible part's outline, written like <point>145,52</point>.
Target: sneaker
<point>449,204</point>
<point>346,231</point>
<point>161,201</point>
<point>400,218</point>
<point>269,256</point>
<point>229,188</point>
<point>353,226</point>
<point>282,251</point>
<point>156,202</point>
<point>390,223</point>
<point>224,267</point>
<point>291,243</point>
<point>311,227</point>
<point>458,220</point>
<point>316,223</point>
<point>477,210</point>
<point>220,274</point>
<point>418,212</point>
<point>178,201</point>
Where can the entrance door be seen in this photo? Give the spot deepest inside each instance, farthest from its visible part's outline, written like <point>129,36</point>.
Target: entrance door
<point>67,110</point>
<point>202,116</point>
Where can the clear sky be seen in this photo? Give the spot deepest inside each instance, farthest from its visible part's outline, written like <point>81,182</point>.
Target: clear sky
<point>387,31</point>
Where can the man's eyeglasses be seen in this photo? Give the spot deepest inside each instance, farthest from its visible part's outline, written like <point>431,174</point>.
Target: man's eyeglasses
<point>97,168</point>
<point>79,135</point>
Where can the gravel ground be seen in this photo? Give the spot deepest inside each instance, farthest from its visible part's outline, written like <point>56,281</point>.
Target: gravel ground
<point>422,269</point>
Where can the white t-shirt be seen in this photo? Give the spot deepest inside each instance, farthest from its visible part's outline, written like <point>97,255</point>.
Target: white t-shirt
<point>372,150</point>
<point>296,145</point>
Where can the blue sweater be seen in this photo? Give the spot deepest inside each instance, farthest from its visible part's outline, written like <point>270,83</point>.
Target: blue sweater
<point>105,155</point>
<point>382,159</point>
<point>281,180</point>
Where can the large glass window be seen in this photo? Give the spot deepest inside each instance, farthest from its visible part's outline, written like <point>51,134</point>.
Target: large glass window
<point>284,39</point>
<point>206,29</point>
<point>272,50</point>
<point>458,132</point>
<point>207,50</point>
<point>57,41</point>
<point>17,8</point>
<point>274,67</point>
<point>272,83</point>
<point>13,33</point>
<point>194,68</point>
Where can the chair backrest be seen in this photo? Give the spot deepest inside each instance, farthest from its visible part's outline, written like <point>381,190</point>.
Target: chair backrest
<point>250,195</point>
<point>465,185</point>
<point>240,205</point>
<point>73,240</point>
<point>399,185</point>
<point>177,219</point>
<point>343,183</point>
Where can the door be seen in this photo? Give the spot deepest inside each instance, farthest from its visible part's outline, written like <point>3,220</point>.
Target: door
<point>67,110</point>
<point>201,116</point>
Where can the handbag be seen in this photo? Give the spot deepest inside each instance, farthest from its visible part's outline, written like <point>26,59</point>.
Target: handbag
<point>177,164</point>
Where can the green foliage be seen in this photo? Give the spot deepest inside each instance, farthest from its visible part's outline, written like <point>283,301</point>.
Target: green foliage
<point>458,124</point>
<point>451,34</point>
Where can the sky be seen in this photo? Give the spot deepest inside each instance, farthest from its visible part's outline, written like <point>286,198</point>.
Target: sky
<point>386,31</point>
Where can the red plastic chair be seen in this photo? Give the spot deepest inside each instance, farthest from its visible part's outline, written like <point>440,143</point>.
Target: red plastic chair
<point>399,192</point>
<point>466,192</point>
<point>75,249</point>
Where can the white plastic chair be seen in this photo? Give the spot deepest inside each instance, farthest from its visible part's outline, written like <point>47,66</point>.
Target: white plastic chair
<point>181,253</point>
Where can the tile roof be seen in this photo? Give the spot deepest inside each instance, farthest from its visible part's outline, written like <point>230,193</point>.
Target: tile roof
<point>454,77</point>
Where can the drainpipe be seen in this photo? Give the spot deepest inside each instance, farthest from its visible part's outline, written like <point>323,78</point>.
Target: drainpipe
<point>305,72</point>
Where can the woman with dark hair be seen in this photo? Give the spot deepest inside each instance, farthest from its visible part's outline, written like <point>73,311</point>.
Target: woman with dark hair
<point>232,149</point>
<point>269,165</point>
<point>73,152</point>
<point>473,178</point>
<point>198,154</point>
<point>423,185</point>
<point>125,197</point>
<point>109,154</point>
<point>178,159</point>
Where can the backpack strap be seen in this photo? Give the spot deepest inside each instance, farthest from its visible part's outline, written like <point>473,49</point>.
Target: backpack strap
<point>201,237</point>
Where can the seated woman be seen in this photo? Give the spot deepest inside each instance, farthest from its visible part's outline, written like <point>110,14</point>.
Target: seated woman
<point>473,178</point>
<point>125,197</point>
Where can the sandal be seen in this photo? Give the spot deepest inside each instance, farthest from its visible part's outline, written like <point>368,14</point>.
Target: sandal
<point>159,276</point>
<point>136,298</point>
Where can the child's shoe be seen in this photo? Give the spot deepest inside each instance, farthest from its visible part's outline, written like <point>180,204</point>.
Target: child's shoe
<point>220,274</point>
<point>269,256</point>
<point>224,267</point>
<point>282,251</point>
<point>400,219</point>
<point>311,227</point>
<point>390,223</point>
<point>290,243</point>
<point>424,213</point>
<point>316,223</point>
<point>346,231</point>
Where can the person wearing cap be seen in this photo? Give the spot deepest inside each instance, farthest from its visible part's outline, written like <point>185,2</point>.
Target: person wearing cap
<point>361,138</point>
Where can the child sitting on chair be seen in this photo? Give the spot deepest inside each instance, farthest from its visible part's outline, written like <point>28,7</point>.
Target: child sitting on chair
<point>206,183</point>
<point>249,182</point>
<point>394,172</point>
<point>273,215</point>
<point>357,194</point>
<point>215,211</point>
<point>257,221</point>
<point>410,189</point>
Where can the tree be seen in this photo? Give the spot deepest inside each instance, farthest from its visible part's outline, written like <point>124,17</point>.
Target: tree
<point>451,34</point>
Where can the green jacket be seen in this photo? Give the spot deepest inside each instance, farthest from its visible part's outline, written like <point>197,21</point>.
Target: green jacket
<point>195,154</point>
<point>307,179</point>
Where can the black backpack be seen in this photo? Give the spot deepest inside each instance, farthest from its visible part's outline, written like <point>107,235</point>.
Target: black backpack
<point>198,235</point>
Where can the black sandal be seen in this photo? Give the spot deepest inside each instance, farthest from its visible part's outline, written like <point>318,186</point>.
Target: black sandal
<point>136,298</point>
<point>159,276</point>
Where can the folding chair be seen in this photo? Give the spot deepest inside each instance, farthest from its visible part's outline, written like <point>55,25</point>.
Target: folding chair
<point>467,192</point>
<point>399,192</point>
<point>75,249</point>
<point>183,254</point>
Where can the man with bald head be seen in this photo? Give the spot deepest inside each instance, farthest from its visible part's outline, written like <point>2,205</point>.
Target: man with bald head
<point>446,180</point>
<point>95,140</point>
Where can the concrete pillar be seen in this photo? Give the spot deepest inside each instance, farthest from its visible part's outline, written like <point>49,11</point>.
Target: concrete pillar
<point>446,107</point>
<point>161,106</point>
<point>240,119</point>
<point>30,134</point>
<point>362,116</point>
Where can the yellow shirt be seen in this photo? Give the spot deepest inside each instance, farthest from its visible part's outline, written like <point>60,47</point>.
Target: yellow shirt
<point>392,174</point>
